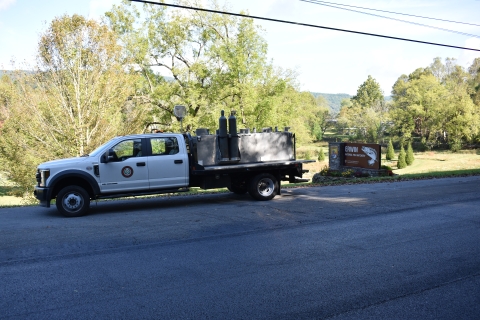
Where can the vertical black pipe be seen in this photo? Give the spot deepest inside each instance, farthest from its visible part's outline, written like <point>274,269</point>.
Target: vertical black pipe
<point>232,126</point>
<point>223,137</point>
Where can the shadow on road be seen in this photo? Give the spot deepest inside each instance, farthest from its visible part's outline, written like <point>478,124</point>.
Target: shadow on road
<point>164,202</point>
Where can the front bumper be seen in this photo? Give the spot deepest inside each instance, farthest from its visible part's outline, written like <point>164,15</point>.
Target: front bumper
<point>42,194</point>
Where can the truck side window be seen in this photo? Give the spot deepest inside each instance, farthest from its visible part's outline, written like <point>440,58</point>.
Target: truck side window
<point>164,146</point>
<point>127,149</point>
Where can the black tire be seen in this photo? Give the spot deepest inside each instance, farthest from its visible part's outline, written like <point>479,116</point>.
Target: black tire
<point>263,187</point>
<point>238,189</point>
<point>73,201</point>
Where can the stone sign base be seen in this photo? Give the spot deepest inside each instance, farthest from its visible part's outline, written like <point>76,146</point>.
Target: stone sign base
<point>370,172</point>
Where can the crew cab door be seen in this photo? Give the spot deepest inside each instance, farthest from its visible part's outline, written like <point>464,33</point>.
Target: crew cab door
<point>127,170</point>
<point>168,163</point>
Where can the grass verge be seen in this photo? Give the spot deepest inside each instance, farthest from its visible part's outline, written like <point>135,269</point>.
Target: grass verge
<point>395,178</point>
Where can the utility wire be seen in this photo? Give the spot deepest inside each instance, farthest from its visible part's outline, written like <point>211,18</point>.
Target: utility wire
<point>321,3</point>
<point>392,12</point>
<point>302,24</point>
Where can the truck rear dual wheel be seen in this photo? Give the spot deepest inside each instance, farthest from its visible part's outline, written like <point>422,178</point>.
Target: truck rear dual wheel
<point>263,187</point>
<point>73,201</point>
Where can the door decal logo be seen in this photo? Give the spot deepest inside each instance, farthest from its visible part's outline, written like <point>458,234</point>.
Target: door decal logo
<point>127,172</point>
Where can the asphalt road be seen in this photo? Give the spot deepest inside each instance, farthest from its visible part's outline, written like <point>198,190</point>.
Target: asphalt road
<point>404,250</point>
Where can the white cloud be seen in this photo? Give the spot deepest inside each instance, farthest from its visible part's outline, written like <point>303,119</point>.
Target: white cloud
<point>4,4</point>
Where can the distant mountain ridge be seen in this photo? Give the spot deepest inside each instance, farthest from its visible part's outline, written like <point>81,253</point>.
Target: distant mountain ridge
<point>334,99</point>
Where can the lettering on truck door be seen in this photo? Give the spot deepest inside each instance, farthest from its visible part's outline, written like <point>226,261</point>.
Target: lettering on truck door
<point>168,163</point>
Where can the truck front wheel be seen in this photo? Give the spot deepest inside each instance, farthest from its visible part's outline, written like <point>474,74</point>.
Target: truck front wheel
<point>73,201</point>
<point>263,187</point>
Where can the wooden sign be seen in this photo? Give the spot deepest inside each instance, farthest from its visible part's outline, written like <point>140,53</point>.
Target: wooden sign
<point>362,155</point>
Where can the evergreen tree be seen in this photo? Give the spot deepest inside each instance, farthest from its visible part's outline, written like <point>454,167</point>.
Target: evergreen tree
<point>390,151</point>
<point>321,155</point>
<point>409,156</point>
<point>401,159</point>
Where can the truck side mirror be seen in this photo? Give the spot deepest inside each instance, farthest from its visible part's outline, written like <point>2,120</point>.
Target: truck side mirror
<point>104,158</point>
<point>108,156</point>
<point>112,156</point>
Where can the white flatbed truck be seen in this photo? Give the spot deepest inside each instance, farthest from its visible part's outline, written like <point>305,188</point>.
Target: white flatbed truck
<point>157,163</point>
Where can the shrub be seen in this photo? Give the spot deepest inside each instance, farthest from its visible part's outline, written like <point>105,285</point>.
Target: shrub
<point>321,155</point>
<point>347,173</point>
<point>308,155</point>
<point>317,178</point>
<point>388,169</point>
<point>334,173</point>
<point>324,171</point>
<point>455,144</point>
<point>401,159</point>
<point>390,151</point>
<point>409,157</point>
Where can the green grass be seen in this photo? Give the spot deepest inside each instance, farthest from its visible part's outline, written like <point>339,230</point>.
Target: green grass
<point>439,161</point>
<point>442,174</point>
<point>396,178</point>
<point>6,200</point>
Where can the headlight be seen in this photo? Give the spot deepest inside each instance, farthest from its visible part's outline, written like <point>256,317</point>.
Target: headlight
<point>44,174</point>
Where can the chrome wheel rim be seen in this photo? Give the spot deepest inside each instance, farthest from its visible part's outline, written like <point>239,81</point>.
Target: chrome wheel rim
<point>265,187</point>
<point>72,202</point>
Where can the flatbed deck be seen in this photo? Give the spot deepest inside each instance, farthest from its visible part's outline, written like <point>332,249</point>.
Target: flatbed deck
<point>248,166</point>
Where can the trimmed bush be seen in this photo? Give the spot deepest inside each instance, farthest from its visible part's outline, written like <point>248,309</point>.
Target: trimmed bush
<point>321,155</point>
<point>401,159</point>
<point>390,151</point>
<point>409,157</point>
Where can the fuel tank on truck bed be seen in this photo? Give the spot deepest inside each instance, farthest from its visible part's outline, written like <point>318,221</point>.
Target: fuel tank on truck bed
<point>251,147</point>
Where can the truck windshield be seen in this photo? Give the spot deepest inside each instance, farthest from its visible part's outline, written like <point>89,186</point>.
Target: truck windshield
<point>95,152</point>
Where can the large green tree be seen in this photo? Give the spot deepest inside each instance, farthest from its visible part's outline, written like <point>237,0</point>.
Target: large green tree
<point>461,117</point>
<point>7,94</point>
<point>474,82</point>
<point>368,112</point>
<point>214,61</point>
<point>74,100</point>
<point>418,100</point>
<point>434,105</point>
<point>368,93</point>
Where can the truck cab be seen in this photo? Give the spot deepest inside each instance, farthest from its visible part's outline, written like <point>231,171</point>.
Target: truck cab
<point>145,163</point>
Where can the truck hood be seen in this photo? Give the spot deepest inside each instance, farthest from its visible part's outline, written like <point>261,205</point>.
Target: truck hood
<point>62,162</point>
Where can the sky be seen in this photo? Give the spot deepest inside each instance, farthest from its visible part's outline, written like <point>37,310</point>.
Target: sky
<point>325,61</point>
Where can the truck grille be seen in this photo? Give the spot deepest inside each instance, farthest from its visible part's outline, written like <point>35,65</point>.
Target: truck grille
<point>38,176</point>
